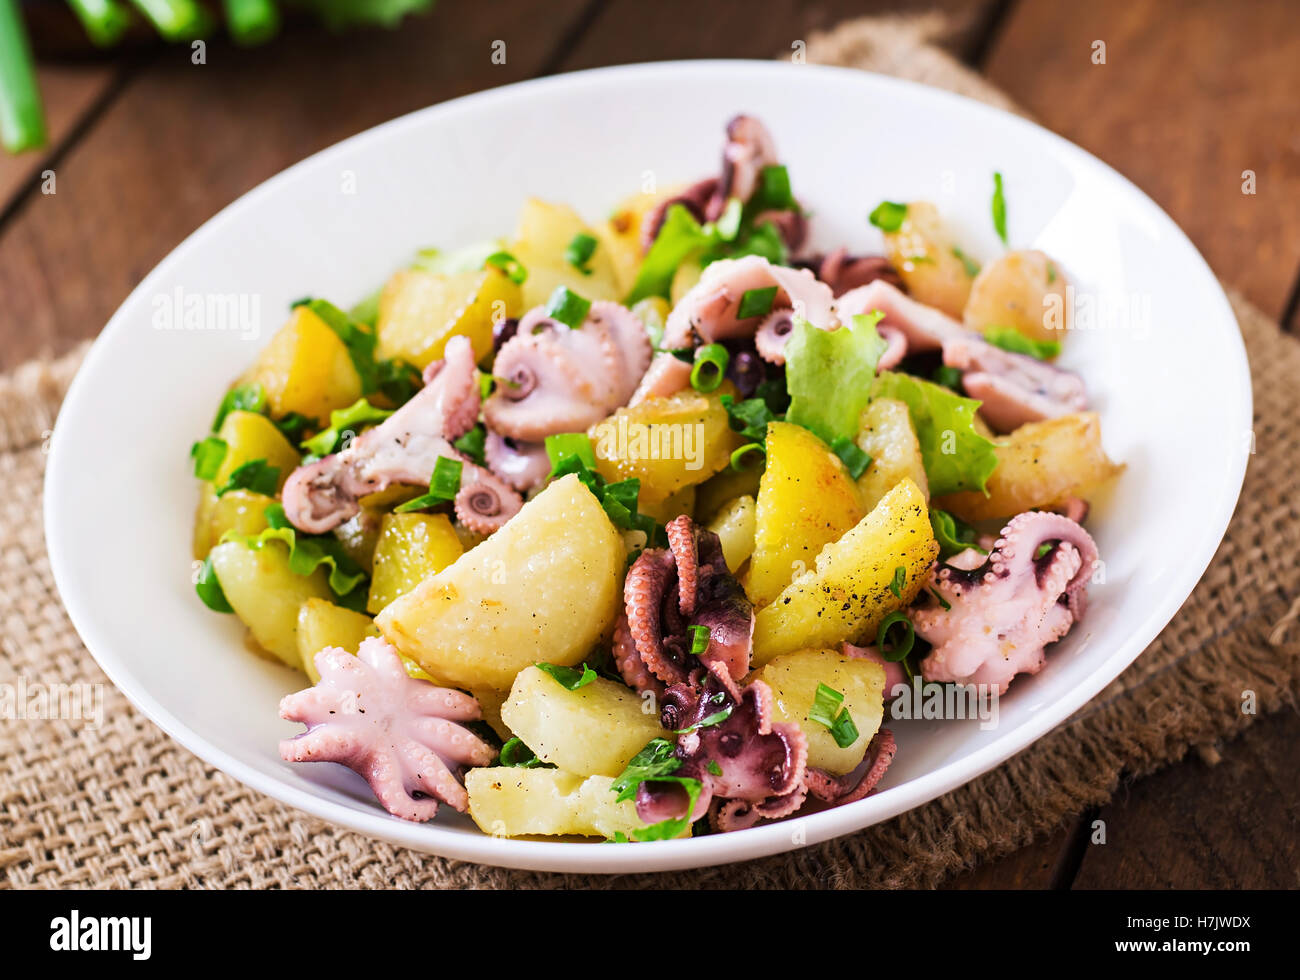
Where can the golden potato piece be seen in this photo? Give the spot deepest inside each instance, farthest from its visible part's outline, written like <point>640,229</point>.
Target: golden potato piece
<point>886,435</point>
<point>545,587</point>
<point>322,624</point>
<point>266,595</point>
<point>306,368</point>
<point>238,511</point>
<point>794,679</point>
<point>542,238</point>
<point>250,436</point>
<point>724,487</point>
<point>420,311</point>
<point>735,525</point>
<point>847,594</point>
<point>806,499</point>
<point>934,269</point>
<point>621,237</point>
<point>593,731</point>
<point>1024,290</point>
<point>1040,464</point>
<point>513,802</point>
<point>411,547</point>
<point>667,443</point>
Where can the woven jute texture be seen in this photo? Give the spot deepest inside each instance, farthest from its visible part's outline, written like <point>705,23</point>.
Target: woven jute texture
<point>124,806</point>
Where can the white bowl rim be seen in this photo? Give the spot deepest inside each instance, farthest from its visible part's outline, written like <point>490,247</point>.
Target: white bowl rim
<point>697,852</point>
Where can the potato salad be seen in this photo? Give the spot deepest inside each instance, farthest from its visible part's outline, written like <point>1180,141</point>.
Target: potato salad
<point>634,530</point>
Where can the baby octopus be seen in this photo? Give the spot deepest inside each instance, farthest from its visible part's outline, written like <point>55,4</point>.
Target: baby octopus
<point>1004,609</point>
<point>668,592</point>
<point>552,378</point>
<point>1013,388</point>
<point>400,734</point>
<point>710,310</point>
<point>320,496</point>
<point>749,148</point>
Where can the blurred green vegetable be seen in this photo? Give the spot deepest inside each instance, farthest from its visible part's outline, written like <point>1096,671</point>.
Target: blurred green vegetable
<point>249,22</point>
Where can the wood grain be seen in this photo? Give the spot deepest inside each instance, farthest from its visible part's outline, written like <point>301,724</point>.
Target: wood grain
<point>1231,825</point>
<point>69,93</point>
<point>182,140</point>
<point>625,32</point>
<point>1189,98</point>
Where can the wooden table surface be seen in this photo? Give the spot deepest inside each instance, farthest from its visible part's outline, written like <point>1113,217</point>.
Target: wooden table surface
<point>145,148</point>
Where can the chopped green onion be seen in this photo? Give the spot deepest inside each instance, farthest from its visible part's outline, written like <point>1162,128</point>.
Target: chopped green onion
<point>444,484</point>
<point>717,718</point>
<point>569,678</point>
<point>342,421</point>
<point>714,768</point>
<point>900,580</point>
<point>999,208</point>
<point>754,450</point>
<point>508,264</point>
<point>473,444</point>
<point>208,455</point>
<point>209,589</point>
<point>255,475</point>
<point>22,120</point>
<point>826,705</point>
<point>828,710</point>
<point>1043,549</point>
<point>952,534</point>
<point>773,192</point>
<point>516,755</point>
<point>399,380</point>
<point>972,267</point>
<point>251,21</point>
<point>1051,273</point>
<point>855,460</point>
<point>944,603</point>
<point>756,302</point>
<point>949,377</point>
<point>175,20</point>
<point>750,417</point>
<point>567,307</point>
<point>579,252</point>
<point>728,223</point>
<point>563,446</point>
<point>655,761</point>
<point>241,398</point>
<point>710,368</point>
<point>888,216</point>
<point>1009,338</point>
<point>699,639</point>
<point>105,21</point>
<point>896,652</point>
<point>293,425</point>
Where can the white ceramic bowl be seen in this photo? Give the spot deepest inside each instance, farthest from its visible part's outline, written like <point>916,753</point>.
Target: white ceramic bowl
<point>1172,387</point>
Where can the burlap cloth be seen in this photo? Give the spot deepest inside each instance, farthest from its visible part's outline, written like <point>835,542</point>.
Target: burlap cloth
<point>125,806</point>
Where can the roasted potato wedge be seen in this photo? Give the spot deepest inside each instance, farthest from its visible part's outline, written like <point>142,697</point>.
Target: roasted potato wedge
<point>545,587</point>
<point>1024,290</point>
<point>514,802</point>
<point>306,368</point>
<point>420,311</point>
<point>847,594</point>
<point>1039,465</point>
<point>933,267</point>
<point>887,435</point>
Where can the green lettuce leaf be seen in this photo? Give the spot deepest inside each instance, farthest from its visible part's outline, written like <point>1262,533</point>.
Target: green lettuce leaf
<point>342,420</point>
<point>956,457</point>
<point>829,374</point>
<point>307,552</point>
<point>679,238</point>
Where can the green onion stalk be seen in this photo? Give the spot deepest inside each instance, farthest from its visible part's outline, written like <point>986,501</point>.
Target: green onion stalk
<point>175,20</point>
<point>22,120</point>
<point>105,21</point>
<point>251,21</point>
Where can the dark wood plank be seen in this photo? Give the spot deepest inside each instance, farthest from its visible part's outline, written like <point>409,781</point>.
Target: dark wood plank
<point>626,31</point>
<point>182,140</point>
<point>1188,99</point>
<point>1231,825</point>
<point>69,93</point>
